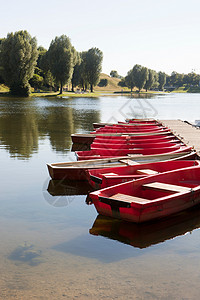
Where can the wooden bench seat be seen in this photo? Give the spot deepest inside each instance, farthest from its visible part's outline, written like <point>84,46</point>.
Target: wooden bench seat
<point>129,162</point>
<point>146,172</point>
<point>166,187</point>
<point>128,199</point>
<point>109,174</point>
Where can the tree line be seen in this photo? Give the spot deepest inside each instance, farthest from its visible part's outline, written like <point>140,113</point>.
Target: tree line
<point>144,78</point>
<point>23,64</point>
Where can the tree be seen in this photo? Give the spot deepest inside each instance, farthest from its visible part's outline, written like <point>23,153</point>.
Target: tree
<point>62,58</point>
<point>36,81</point>
<point>152,79</point>
<point>162,80</point>
<point>103,82</point>
<point>18,57</point>
<point>130,80</point>
<point>114,73</point>
<point>76,79</point>
<point>93,66</point>
<point>140,76</point>
<point>122,82</point>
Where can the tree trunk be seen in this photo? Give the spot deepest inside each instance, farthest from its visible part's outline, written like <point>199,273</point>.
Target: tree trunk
<point>72,86</point>
<point>91,88</point>
<point>61,88</point>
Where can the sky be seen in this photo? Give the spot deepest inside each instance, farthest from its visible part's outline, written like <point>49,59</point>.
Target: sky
<point>160,35</point>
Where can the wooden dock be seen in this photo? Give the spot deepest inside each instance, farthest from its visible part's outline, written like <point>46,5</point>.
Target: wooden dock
<point>188,133</point>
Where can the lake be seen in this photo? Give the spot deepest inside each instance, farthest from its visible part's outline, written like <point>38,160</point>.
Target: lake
<point>54,245</point>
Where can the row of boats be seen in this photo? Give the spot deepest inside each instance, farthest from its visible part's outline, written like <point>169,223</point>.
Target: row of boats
<point>140,170</point>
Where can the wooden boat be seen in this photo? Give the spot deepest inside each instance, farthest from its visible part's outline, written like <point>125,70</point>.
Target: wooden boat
<point>80,138</point>
<point>129,145</point>
<point>151,197</point>
<point>77,170</point>
<point>137,140</point>
<point>130,130</point>
<point>99,125</point>
<point>130,127</point>
<point>150,233</point>
<point>142,121</point>
<point>102,178</point>
<point>108,153</point>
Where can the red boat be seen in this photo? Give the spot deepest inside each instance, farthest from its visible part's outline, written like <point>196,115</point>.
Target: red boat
<point>76,170</point>
<point>96,145</point>
<point>108,153</point>
<point>102,178</point>
<point>142,121</point>
<point>135,140</point>
<point>151,197</point>
<point>80,138</point>
<point>130,130</point>
<point>99,125</point>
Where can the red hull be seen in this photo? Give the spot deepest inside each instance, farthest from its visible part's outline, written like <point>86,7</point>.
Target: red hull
<point>150,198</point>
<point>96,145</point>
<point>107,153</point>
<point>102,178</point>
<point>77,170</point>
<point>127,131</point>
<point>89,138</point>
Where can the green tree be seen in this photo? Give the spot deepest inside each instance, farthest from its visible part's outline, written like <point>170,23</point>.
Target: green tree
<point>130,80</point>
<point>152,80</point>
<point>62,58</point>
<point>114,73</point>
<point>36,81</point>
<point>140,76</point>
<point>76,76</point>
<point>103,82</point>
<point>122,82</point>
<point>18,57</point>
<point>162,80</point>
<point>93,66</point>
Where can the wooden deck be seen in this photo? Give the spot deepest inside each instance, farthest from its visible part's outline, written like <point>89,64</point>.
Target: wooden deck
<point>188,133</point>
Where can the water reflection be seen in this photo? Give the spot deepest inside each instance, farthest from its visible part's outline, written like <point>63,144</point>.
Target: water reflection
<point>147,234</point>
<point>24,122</point>
<point>68,187</point>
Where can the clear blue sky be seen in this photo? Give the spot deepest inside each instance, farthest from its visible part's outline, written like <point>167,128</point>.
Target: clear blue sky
<point>161,35</point>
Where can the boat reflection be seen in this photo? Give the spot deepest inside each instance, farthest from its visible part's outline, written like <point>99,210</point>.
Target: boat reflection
<point>147,234</point>
<point>68,187</point>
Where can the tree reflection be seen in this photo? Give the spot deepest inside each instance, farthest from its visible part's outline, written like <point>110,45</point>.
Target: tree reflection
<point>24,122</point>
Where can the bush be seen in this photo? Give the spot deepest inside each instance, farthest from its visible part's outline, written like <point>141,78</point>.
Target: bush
<point>103,82</point>
<point>21,90</point>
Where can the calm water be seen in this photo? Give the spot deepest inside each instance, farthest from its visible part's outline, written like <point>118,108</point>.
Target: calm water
<point>53,245</point>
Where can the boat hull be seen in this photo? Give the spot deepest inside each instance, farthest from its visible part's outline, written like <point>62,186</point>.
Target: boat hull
<point>77,170</point>
<point>151,204</point>
<point>108,153</point>
<point>102,178</point>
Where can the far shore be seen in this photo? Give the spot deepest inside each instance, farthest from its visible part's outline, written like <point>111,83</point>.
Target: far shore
<point>4,92</point>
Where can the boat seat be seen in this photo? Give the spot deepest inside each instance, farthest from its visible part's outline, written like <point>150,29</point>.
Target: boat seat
<point>167,187</point>
<point>109,174</point>
<point>129,199</point>
<point>146,172</point>
<point>129,162</point>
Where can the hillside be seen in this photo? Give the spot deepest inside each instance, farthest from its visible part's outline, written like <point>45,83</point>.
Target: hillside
<point>112,84</point>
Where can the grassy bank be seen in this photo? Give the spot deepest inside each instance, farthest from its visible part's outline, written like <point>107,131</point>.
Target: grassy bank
<point>186,89</point>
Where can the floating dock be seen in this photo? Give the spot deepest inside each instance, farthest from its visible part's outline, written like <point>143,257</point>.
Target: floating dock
<point>189,133</point>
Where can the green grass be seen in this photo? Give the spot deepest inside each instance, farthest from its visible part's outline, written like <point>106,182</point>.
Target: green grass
<point>3,88</point>
<point>186,89</point>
